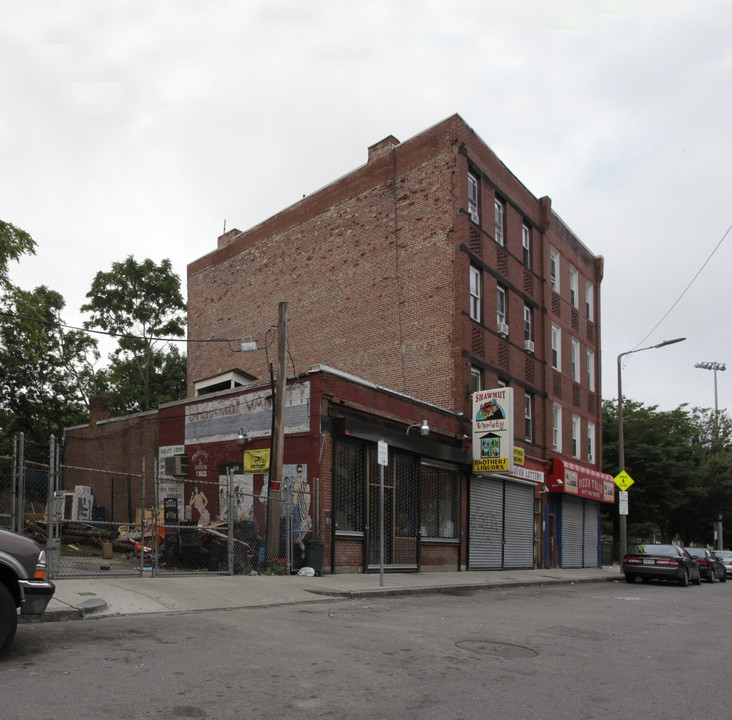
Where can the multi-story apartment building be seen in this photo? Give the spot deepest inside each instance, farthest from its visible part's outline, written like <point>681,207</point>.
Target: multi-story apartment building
<point>433,271</point>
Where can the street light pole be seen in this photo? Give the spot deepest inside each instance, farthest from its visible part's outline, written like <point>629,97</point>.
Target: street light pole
<point>713,366</point>
<point>621,438</point>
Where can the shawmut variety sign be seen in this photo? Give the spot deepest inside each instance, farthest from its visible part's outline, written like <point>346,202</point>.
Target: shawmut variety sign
<point>493,430</point>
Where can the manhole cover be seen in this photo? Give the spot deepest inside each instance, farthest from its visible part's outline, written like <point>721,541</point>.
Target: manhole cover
<point>497,649</point>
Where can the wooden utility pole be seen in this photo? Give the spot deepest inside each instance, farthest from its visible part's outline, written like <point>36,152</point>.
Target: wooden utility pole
<point>278,439</point>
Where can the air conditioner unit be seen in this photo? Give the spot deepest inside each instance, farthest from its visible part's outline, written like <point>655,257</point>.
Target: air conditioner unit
<point>503,329</point>
<point>474,216</point>
<point>529,345</point>
<point>176,466</point>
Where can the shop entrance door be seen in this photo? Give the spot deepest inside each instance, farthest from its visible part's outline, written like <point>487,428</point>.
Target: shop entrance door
<point>401,483</point>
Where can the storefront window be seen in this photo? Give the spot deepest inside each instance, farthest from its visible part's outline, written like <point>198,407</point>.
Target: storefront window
<point>351,468</point>
<point>440,501</point>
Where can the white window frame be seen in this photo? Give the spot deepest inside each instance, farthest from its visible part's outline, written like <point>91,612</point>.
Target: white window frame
<point>473,206</point>
<point>528,417</point>
<point>554,269</point>
<point>590,301</point>
<point>501,305</point>
<point>575,360</point>
<point>591,439</point>
<point>499,222</point>
<point>526,244</point>
<point>528,324</point>
<point>557,427</point>
<point>475,288</point>
<point>576,436</point>
<point>573,286</point>
<point>591,370</point>
<point>476,379</point>
<point>556,347</point>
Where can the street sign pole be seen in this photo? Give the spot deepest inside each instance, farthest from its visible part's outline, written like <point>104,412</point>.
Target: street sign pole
<point>383,456</point>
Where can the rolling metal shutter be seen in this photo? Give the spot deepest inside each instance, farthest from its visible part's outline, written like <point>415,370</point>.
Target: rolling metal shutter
<point>590,557</point>
<point>572,532</point>
<point>518,550</point>
<point>486,524</point>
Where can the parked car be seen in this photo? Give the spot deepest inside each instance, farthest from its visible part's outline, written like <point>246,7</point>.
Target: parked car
<point>710,566</point>
<point>661,562</point>
<point>726,557</point>
<point>23,583</point>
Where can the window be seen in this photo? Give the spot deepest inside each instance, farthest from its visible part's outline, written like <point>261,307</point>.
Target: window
<point>476,379</point>
<point>557,427</point>
<point>591,442</point>
<point>474,293</point>
<point>529,417</point>
<point>473,198</point>
<point>575,360</point>
<point>554,269</point>
<point>351,467</point>
<point>526,242</point>
<point>591,370</point>
<point>576,422</point>
<point>589,301</point>
<point>440,501</point>
<point>556,347</point>
<point>528,325</point>
<point>500,306</point>
<point>573,286</point>
<point>499,222</point>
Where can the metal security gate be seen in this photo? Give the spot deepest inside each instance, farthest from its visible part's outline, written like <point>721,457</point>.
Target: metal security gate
<point>591,533</point>
<point>501,524</point>
<point>572,532</point>
<point>401,483</point>
<point>518,549</point>
<point>486,524</point>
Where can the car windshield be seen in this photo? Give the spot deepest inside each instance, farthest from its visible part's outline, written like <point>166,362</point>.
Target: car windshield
<point>697,552</point>
<point>666,550</point>
<point>723,554</point>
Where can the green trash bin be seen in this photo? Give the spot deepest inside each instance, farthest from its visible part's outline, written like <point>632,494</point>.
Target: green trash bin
<point>314,550</point>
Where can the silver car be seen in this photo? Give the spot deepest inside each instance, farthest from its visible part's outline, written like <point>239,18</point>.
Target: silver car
<point>23,583</point>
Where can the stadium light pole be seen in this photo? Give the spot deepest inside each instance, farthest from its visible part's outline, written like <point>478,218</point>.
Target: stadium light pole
<point>621,438</point>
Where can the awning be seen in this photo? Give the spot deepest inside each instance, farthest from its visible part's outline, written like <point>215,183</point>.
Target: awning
<point>575,479</point>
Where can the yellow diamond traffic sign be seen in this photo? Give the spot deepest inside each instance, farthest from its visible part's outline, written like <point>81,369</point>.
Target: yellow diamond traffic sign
<point>623,480</point>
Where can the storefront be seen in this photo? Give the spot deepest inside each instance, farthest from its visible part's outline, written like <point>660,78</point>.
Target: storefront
<point>572,522</point>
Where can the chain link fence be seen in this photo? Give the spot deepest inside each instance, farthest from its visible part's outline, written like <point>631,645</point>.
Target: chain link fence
<point>105,523</point>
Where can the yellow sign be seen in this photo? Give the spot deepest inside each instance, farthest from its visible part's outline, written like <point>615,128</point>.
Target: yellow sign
<point>492,465</point>
<point>256,461</point>
<point>518,456</point>
<point>623,480</point>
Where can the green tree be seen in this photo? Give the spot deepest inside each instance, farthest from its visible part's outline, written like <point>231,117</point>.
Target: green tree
<point>662,457</point>
<point>14,243</point>
<point>44,373</point>
<point>141,304</point>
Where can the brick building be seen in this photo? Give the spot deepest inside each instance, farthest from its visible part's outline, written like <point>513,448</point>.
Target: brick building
<point>431,270</point>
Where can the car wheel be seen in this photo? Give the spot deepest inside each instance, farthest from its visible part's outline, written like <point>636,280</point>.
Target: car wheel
<point>697,579</point>
<point>684,581</point>
<point>8,618</point>
<point>723,578</point>
<point>630,578</point>
<point>710,579</point>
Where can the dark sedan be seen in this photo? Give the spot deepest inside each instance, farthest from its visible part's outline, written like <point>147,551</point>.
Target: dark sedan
<point>710,566</point>
<point>661,562</point>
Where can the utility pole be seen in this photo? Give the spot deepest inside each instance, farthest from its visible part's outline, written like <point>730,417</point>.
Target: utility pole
<point>278,440</point>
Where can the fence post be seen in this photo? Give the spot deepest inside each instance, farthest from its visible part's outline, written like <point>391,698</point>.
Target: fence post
<point>51,505</point>
<point>230,515</point>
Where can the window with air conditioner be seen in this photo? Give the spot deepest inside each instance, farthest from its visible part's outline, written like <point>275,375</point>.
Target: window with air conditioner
<point>528,329</point>
<point>529,417</point>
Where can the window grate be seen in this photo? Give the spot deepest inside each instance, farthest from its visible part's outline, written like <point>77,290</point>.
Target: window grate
<point>503,354</point>
<point>529,369</point>
<point>476,242</point>
<point>477,346</point>
<point>502,262</point>
<point>528,283</point>
<point>557,385</point>
<point>556,305</point>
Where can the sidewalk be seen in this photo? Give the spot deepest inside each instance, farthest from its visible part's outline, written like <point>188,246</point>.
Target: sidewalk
<point>75,599</point>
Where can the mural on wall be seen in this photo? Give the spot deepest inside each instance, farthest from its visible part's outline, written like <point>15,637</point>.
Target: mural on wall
<point>243,493</point>
<point>197,506</point>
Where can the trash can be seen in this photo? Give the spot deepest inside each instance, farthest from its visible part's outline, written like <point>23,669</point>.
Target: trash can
<point>314,550</point>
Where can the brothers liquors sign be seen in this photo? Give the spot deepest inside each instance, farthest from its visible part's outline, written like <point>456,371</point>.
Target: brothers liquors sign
<point>493,430</point>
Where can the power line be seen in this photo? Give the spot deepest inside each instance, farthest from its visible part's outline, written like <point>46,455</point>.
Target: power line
<point>685,290</point>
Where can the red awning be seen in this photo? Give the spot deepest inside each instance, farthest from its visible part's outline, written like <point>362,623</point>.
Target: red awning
<point>574,479</point>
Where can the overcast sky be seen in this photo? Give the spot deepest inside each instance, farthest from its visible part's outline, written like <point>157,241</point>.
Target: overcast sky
<point>141,128</point>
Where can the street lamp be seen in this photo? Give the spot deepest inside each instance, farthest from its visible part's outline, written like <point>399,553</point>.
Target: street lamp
<point>713,366</point>
<point>621,440</point>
